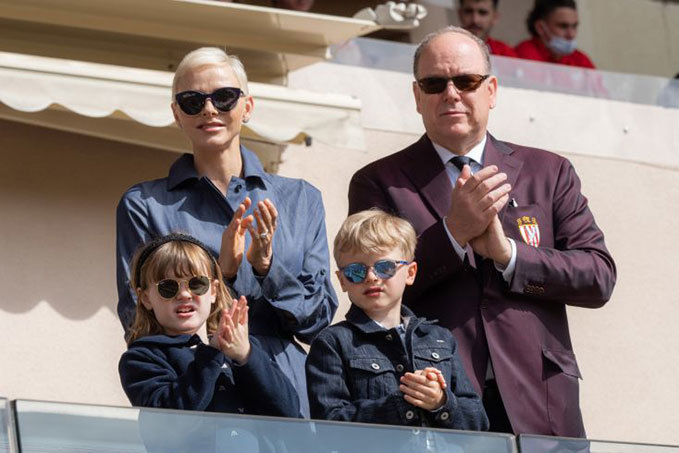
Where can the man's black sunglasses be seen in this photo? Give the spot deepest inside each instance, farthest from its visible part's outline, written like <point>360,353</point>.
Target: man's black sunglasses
<point>464,82</point>
<point>224,99</point>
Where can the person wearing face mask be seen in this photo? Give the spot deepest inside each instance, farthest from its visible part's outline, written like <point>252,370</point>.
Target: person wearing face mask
<point>553,25</point>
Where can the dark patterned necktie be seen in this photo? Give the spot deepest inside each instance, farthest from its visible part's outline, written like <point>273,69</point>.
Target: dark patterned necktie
<point>461,161</point>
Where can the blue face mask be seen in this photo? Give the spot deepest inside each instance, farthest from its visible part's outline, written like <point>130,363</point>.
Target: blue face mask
<point>562,46</point>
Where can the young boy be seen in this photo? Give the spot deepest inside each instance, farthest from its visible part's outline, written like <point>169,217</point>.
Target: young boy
<point>383,364</point>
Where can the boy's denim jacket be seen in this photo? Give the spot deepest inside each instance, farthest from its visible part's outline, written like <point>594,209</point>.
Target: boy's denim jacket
<point>354,366</point>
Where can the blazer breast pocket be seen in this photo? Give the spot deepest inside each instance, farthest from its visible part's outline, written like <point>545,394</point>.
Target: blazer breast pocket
<point>528,224</point>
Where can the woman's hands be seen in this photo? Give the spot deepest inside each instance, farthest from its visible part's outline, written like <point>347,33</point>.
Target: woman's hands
<point>232,333</point>
<point>260,252</point>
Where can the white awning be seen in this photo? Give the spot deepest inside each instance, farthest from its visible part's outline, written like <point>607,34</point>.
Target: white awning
<point>156,34</point>
<point>133,105</point>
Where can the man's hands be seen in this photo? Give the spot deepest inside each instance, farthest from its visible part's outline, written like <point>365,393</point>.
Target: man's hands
<point>260,252</point>
<point>472,216</point>
<point>232,333</point>
<point>424,388</point>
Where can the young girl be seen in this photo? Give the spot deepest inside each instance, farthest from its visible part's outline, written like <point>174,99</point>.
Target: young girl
<point>182,300</point>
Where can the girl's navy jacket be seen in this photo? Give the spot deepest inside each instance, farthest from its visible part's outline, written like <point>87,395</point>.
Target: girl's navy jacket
<point>182,372</point>
<point>353,371</point>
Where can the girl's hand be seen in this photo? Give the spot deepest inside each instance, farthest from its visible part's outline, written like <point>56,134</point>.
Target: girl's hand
<point>422,392</point>
<point>260,252</point>
<point>233,241</point>
<point>232,333</point>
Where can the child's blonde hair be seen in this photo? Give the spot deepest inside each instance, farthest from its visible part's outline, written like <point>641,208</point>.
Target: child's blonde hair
<point>375,231</point>
<point>179,255</point>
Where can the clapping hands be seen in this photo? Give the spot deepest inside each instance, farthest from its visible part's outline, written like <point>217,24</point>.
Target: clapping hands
<point>232,333</point>
<point>424,388</point>
<point>260,251</point>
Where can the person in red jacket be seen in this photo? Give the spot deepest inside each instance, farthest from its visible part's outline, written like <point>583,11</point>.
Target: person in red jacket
<point>553,25</point>
<point>479,17</point>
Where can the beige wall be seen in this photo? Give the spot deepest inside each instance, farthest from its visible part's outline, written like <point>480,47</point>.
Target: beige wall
<point>58,194</point>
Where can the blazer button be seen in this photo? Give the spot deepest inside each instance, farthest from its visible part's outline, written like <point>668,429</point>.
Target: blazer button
<point>389,337</point>
<point>410,415</point>
<point>445,416</point>
<point>435,355</point>
<point>375,366</point>
<point>400,368</point>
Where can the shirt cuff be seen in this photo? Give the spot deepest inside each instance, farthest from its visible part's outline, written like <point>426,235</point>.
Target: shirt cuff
<point>461,252</point>
<point>508,272</point>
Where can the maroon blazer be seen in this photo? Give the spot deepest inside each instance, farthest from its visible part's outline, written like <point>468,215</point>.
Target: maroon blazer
<point>523,325</point>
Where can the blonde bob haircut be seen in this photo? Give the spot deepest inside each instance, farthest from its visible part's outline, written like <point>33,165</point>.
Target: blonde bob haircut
<point>375,231</point>
<point>180,259</point>
<point>210,56</point>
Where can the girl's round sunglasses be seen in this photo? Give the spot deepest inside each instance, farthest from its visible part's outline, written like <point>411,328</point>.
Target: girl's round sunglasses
<point>384,269</point>
<point>169,287</point>
<point>224,99</point>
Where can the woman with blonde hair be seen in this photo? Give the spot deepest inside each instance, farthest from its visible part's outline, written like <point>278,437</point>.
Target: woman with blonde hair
<point>268,231</point>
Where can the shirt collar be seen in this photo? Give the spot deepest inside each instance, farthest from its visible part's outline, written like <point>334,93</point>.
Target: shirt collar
<point>183,169</point>
<point>476,153</point>
<point>363,322</point>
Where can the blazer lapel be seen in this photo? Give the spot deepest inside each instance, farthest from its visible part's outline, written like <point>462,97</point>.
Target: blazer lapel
<point>428,175</point>
<point>497,153</point>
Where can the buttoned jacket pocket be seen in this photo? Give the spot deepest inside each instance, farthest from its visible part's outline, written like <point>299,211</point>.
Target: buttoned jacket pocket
<point>372,377</point>
<point>441,358</point>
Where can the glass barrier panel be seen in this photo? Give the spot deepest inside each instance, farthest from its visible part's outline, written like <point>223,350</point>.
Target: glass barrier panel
<point>526,74</point>
<point>4,426</point>
<point>545,444</point>
<point>48,427</point>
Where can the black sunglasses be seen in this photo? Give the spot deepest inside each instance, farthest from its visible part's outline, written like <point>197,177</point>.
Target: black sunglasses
<point>169,287</point>
<point>464,82</point>
<point>384,269</point>
<point>224,99</point>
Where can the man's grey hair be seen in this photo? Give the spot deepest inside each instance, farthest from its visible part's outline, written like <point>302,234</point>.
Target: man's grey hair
<point>450,29</point>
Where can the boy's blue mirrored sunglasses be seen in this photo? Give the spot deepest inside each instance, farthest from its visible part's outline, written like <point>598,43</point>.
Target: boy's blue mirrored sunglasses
<point>224,99</point>
<point>384,269</point>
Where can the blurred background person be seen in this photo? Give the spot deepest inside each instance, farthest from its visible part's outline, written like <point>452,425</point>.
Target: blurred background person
<point>479,17</point>
<point>553,25</point>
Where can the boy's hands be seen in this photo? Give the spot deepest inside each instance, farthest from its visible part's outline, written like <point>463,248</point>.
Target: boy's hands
<point>424,388</point>
<point>232,334</point>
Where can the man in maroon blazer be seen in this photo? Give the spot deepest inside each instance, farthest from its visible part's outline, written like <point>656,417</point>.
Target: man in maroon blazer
<point>506,241</point>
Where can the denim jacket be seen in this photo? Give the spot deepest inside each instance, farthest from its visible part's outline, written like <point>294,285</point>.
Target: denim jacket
<point>353,371</point>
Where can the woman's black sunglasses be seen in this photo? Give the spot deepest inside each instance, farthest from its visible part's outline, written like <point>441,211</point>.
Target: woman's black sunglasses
<point>384,269</point>
<point>169,287</point>
<point>464,82</point>
<point>224,99</point>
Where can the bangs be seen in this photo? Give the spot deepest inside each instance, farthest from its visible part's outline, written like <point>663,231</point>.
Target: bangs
<point>177,259</point>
